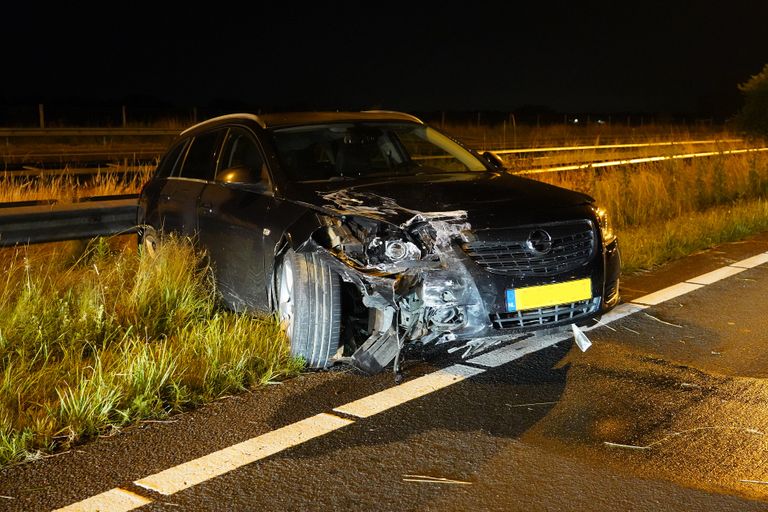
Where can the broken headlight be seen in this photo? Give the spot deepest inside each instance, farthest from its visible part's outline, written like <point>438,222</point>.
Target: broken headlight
<point>370,244</point>
<point>393,250</point>
<point>606,228</point>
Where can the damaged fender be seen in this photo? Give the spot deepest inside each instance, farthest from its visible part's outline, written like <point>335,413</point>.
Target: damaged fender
<point>410,276</point>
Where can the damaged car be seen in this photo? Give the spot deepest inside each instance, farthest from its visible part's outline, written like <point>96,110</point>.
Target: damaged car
<point>369,232</point>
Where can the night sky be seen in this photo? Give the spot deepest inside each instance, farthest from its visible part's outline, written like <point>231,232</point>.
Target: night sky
<point>656,57</point>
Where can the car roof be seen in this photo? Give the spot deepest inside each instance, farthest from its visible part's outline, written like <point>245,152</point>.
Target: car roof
<point>287,119</point>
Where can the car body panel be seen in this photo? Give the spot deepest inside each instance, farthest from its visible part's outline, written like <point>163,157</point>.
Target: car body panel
<point>467,238</point>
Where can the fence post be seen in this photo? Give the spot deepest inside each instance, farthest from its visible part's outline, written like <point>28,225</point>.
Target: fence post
<point>124,117</point>
<point>504,134</point>
<point>41,114</point>
<point>514,131</point>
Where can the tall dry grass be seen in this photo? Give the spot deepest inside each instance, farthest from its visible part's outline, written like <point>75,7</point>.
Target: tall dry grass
<point>507,135</point>
<point>97,339</point>
<point>67,188</point>
<point>663,210</point>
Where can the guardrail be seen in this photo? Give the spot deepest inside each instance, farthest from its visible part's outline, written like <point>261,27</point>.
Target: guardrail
<point>48,221</point>
<point>633,161</point>
<point>612,146</point>
<point>87,132</point>
<point>32,222</point>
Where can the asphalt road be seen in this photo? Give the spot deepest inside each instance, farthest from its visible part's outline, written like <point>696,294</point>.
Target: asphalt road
<point>668,410</point>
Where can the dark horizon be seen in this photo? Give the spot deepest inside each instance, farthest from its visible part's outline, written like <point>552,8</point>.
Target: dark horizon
<point>654,59</point>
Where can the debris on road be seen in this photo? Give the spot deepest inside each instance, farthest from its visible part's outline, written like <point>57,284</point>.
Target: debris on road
<point>581,339</point>
<point>531,404</point>
<point>662,321</point>
<point>433,480</point>
<point>674,434</point>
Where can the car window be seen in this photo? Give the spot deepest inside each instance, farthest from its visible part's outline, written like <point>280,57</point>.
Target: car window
<point>202,156</point>
<point>169,164</point>
<point>241,149</point>
<point>429,147</point>
<point>241,156</point>
<point>352,150</point>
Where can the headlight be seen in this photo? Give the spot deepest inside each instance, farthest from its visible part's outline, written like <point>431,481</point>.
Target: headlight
<point>606,228</point>
<point>398,250</point>
<point>392,251</point>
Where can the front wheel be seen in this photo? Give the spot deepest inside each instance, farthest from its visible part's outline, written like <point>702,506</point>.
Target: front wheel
<point>309,305</point>
<point>148,240</point>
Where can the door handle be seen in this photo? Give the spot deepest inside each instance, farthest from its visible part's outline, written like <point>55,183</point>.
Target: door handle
<point>206,207</point>
<point>165,197</point>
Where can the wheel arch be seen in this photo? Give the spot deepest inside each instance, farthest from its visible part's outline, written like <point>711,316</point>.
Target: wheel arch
<point>298,236</point>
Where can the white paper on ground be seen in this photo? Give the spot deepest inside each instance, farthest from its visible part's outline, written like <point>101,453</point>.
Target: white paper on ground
<point>581,339</point>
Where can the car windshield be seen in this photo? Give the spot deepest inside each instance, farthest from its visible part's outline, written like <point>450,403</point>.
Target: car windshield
<point>351,150</point>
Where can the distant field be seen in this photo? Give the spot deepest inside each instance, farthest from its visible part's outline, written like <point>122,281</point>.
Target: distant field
<point>484,137</point>
<point>70,151</point>
<point>480,137</point>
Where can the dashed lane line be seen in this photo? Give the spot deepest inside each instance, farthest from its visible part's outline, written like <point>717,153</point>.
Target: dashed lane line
<point>716,275</point>
<point>668,293</point>
<point>209,466</point>
<point>752,262</point>
<point>509,353</point>
<point>113,500</point>
<point>398,395</point>
<point>215,464</point>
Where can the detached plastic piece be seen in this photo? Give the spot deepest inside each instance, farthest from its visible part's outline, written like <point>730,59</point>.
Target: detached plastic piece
<point>581,339</point>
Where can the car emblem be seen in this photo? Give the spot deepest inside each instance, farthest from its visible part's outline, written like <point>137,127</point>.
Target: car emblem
<point>539,242</point>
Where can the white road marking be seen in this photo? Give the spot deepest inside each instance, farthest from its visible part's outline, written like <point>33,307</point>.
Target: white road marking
<point>398,395</point>
<point>665,294</point>
<point>113,500</point>
<point>752,262</point>
<point>617,313</point>
<point>509,353</point>
<point>215,464</point>
<point>716,275</point>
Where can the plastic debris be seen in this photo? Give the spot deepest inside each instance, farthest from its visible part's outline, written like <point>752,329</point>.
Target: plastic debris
<point>581,339</point>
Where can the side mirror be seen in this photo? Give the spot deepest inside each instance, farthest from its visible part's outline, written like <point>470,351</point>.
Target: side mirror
<point>238,175</point>
<point>494,160</point>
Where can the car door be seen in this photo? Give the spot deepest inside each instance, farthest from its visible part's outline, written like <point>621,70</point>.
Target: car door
<point>232,213</point>
<point>151,205</point>
<point>178,198</point>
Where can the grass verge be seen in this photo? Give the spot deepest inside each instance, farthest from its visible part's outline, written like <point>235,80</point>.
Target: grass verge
<point>666,210</point>
<point>107,338</point>
<point>648,245</point>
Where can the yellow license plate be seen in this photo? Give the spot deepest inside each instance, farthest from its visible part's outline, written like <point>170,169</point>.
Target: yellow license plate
<point>520,299</point>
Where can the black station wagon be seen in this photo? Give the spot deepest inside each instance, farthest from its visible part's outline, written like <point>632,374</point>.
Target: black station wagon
<point>368,232</point>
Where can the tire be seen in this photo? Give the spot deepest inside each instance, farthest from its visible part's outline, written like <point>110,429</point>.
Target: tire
<point>309,306</point>
<point>148,240</point>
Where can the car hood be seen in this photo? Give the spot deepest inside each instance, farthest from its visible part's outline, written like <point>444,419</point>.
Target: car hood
<point>484,197</point>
